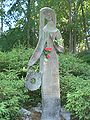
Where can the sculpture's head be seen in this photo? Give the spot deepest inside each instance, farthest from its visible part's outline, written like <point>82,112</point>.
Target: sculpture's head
<point>47,20</point>
<point>47,14</point>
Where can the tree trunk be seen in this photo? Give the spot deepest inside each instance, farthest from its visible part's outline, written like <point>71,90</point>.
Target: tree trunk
<point>28,22</point>
<point>84,23</point>
<point>75,29</point>
<point>70,22</point>
<point>74,42</point>
<point>34,30</point>
<point>1,6</point>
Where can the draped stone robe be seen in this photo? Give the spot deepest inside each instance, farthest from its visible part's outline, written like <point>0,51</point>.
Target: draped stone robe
<point>50,83</point>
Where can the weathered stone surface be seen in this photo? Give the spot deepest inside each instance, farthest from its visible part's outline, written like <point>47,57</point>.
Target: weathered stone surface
<point>25,114</point>
<point>50,72</point>
<point>33,85</point>
<point>35,113</point>
<point>49,69</point>
<point>65,114</point>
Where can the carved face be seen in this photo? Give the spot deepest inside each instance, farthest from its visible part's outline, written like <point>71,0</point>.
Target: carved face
<point>49,15</point>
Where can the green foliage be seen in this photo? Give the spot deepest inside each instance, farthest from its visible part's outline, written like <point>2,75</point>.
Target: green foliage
<point>85,56</point>
<point>12,94</point>
<point>76,94</point>
<point>19,17</point>
<point>13,37</point>
<point>24,15</point>
<point>70,64</point>
<point>75,86</point>
<point>15,60</point>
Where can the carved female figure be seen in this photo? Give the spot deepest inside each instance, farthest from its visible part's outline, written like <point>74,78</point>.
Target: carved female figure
<point>48,77</point>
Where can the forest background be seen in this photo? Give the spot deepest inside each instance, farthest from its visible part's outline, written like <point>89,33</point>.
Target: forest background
<point>19,33</point>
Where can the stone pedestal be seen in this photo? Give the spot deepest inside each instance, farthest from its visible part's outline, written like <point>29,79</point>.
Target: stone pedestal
<point>36,112</point>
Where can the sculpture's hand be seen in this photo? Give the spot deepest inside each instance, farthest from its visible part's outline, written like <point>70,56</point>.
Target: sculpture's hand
<point>55,36</point>
<point>58,47</point>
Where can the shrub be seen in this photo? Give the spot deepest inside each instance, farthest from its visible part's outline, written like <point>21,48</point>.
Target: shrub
<point>13,95</point>
<point>75,93</point>
<point>75,84</point>
<point>15,59</point>
<point>71,64</point>
<point>85,56</point>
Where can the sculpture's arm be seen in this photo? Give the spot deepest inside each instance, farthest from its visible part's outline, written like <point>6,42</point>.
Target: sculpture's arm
<point>33,79</point>
<point>37,53</point>
<point>58,47</point>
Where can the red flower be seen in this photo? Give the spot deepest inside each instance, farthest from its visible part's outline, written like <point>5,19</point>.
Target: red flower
<point>48,56</point>
<point>48,49</point>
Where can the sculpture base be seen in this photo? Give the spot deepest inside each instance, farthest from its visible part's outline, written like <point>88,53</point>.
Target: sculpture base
<point>50,108</point>
<point>36,113</point>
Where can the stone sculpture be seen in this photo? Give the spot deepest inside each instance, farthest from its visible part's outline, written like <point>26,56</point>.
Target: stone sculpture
<point>48,76</point>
